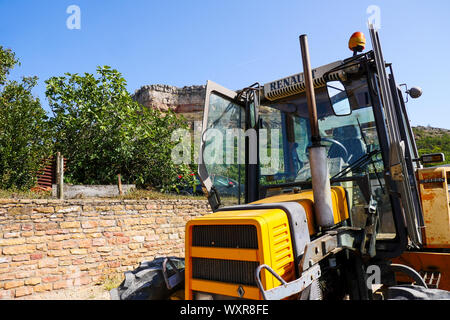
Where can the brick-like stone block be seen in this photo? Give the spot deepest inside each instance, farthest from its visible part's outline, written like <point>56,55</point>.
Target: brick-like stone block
<point>27,227</point>
<point>13,284</point>
<point>70,225</point>
<point>151,206</point>
<point>20,211</point>
<point>44,209</point>
<point>78,251</point>
<point>85,243</point>
<point>9,235</point>
<point>77,262</point>
<point>118,240</point>
<point>27,234</point>
<point>152,237</point>
<point>24,274</point>
<point>113,264</point>
<point>45,226</point>
<point>12,241</point>
<point>69,244</point>
<point>25,257</point>
<point>23,291</point>
<point>147,221</point>
<point>54,245</point>
<point>173,236</point>
<point>21,249</point>
<point>64,209</point>
<point>161,220</point>
<point>58,253</point>
<point>134,246</point>
<point>43,287</point>
<point>61,237</point>
<point>38,239</point>
<point>108,223</point>
<point>7,276</point>
<point>32,281</point>
<point>51,278</point>
<point>94,235</point>
<point>6,294</point>
<point>89,224</point>
<point>48,263</point>
<point>98,242</point>
<point>41,247</point>
<point>117,208</point>
<point>139,239</point>
<point>63,284</point>
<point>36,256</point>
<point>83,281</point>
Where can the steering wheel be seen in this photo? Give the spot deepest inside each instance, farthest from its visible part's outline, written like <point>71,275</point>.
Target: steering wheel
<point>340,145</point>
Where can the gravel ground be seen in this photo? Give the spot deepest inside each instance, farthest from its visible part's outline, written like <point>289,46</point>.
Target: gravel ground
<point>80,293</point>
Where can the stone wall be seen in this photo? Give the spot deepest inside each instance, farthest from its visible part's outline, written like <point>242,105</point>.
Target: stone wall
<point>55,244</point>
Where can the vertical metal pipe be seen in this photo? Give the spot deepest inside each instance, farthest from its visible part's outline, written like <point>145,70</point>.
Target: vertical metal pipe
<point>317,153</point>
<point>309,87</point>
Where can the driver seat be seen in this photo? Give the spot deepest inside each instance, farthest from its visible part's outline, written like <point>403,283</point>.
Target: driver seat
<point>351,138</point>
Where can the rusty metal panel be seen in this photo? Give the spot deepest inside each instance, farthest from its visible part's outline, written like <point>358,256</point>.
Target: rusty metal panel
<point>426,262</point>
<point>434,194</point>
<point>47,176</point>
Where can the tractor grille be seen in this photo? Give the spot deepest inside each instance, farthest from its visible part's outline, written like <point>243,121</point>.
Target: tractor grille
<point>229,271</point>
<point>225,236</point>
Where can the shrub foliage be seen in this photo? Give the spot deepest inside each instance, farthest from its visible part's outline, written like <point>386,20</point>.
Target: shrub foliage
<point>103,132</point>
<point>431,140</point>
<point>25,140</point>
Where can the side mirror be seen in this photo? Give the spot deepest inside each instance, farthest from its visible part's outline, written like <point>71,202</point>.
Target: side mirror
<point>338,98</point>
<point>432,158</point>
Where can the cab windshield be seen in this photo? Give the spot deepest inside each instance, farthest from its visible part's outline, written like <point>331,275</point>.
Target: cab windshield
<point>354,155</point>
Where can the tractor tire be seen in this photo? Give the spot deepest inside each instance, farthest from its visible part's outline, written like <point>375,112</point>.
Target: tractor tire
<point>413,292</point>
<point>147,282</point>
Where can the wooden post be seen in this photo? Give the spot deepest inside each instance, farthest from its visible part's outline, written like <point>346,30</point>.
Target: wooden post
<point>59,176</point>
<point>119,180</point>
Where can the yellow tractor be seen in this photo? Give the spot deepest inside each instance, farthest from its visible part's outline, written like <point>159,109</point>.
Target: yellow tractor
<point>331,199</point>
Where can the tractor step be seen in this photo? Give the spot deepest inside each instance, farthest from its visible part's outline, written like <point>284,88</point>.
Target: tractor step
<point>431,278</point>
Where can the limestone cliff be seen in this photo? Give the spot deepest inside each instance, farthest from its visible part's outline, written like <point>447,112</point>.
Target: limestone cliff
<point>188,100</point>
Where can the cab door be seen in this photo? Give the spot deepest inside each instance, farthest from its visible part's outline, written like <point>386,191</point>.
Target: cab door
<point>222,147</point>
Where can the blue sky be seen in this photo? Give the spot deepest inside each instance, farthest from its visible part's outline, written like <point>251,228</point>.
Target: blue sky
<point>234,43</point>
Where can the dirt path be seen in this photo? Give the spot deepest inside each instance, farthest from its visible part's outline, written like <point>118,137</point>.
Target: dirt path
<point>79,293</point>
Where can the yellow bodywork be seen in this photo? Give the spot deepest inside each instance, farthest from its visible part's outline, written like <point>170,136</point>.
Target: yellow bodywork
<point>433,185</point>
<point>306,199</point>
<point>274,249</point>
<point>274,243</point>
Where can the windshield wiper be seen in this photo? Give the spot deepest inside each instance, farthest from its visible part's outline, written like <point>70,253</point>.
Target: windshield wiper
<point>357,164</point>
<point>373,164</point>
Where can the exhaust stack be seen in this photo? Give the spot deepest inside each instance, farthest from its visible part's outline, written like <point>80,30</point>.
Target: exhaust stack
<point>317,152</point>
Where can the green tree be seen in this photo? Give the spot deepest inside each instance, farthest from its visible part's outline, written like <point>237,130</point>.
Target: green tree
<point>102,132</point>
<point>429,141</point>
<point>24,136</point>
<point>7,62</point>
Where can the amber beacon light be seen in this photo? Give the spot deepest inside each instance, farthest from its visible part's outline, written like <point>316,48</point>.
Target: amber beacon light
<point>357,42</point>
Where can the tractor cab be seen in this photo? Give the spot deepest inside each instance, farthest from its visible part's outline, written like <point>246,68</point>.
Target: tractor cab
<point>260,138</point>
